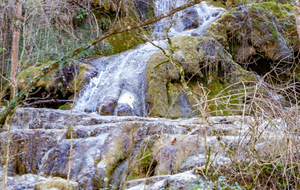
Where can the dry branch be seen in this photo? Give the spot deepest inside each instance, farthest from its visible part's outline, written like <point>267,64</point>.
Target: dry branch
<point>52,101</point>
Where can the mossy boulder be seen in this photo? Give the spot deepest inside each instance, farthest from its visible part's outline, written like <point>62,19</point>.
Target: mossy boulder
<point>267,29</point>
<point>62,79</point>
<point>206,65</point>
<point>28,74</point>
<point>56,183</point>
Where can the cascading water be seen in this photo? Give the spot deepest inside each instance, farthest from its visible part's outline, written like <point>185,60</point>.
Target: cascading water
<point>121,81</point>
<point>194,20</point>
<point>120,87</point>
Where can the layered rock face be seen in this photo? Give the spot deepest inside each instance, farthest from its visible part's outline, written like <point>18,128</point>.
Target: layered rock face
<point>152,149</point>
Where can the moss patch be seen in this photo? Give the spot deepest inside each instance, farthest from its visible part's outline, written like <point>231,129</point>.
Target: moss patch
<point>51,81</point>
<point>124,41</point>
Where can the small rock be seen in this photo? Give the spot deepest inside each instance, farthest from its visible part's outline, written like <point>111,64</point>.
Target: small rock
<point>124,110</point>
<point>107,108</point>
<point>192,20</point>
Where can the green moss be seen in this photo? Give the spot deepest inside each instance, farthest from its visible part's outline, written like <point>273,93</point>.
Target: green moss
<point>66,106</point>
<point>27,75</point>
<point>279,10</point>
<point>255,23</point>
<point>217,3</point>
<point>124,41</point>
<point>48,82</point>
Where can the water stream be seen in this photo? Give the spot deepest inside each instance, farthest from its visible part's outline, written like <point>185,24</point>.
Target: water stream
<point>120,86</point>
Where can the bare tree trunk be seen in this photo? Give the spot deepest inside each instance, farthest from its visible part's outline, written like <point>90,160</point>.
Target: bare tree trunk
<point>2,66</point>
<point>15,48</point>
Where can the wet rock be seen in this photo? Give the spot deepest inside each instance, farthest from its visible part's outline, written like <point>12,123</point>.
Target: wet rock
<point>86,152</point>
<point>246,35</point>
<point>144,8</point>
<point>124,110</point>
<point>192,19</point>
<point>31,118</point>
<point>107,108</point>
<point>117,176</point>
<point>28,148</point>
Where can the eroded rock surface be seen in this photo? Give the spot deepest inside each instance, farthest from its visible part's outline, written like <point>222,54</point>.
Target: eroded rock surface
<point>164,151</point>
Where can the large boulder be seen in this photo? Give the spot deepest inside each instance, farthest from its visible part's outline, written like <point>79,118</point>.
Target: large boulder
<point>63,79</point>
<point>204,61</point>
<point>266,29</point>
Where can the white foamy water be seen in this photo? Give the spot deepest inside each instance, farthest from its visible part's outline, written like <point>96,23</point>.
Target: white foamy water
<point>206,15</point>
<point>121,78</point>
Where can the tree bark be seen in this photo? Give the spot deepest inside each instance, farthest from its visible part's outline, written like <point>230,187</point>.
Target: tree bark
<point>45,70</point>
<point>15,48</point>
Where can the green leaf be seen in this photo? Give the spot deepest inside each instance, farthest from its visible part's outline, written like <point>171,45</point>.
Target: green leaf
<point>31,89</point>
<point>63,62</point>
<point>59,84</point>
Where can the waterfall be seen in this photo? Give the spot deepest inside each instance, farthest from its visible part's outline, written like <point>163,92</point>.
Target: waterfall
<point>121,80</point>
<point>120,86</point>
<point>195,20</point>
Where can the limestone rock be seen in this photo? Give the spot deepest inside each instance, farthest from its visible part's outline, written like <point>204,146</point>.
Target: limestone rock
<point>124,110</point>
<point>164,150</point>
<point>28,148</point>
<point>19,182</point>
<point>266,29</point>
